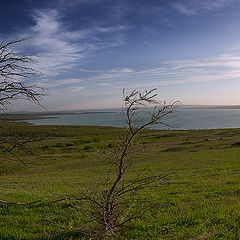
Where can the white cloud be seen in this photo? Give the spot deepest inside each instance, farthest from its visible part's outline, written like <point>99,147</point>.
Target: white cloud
<point>62,51</point>
<point>224,67</point>
<point>76,89</point>
<point>224,61</point>
<point>57,53</point>
<point>121,70</point>
<point>56,83</point>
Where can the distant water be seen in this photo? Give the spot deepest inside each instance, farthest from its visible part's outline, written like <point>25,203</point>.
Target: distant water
<point>184,119</point>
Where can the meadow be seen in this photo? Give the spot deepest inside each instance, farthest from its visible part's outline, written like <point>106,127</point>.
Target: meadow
<point>199,200</point>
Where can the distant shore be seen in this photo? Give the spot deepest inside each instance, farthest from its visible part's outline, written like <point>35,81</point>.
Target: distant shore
<point>186,118</point>
<point>21,116</point>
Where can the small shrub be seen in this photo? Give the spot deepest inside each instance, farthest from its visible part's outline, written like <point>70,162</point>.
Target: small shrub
<point>236,144</point>
<point>173,149</point>
<point>110,145</point>
<point>45,147</point>
<point>54,150</point>
<point>60,145</point>
<point>87,148</point>
<point>69,144</point>
<point>82,141</point>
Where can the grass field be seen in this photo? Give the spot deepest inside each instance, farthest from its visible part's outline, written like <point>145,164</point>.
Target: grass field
<point>200,200</point>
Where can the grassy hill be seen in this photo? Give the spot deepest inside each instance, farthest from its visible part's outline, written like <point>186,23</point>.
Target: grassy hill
<point>200,200</point>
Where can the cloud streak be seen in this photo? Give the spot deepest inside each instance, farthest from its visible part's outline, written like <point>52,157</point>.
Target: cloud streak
<point>196,7</point>
<point>54,43</point>
<point>60,50</point>
<point>224,67</point>
<point>45,83</point>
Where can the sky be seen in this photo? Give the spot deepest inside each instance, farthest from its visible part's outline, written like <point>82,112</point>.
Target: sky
<point>88,51</point>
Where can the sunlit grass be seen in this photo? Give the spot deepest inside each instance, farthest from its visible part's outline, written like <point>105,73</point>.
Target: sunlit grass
<point>200,200</point>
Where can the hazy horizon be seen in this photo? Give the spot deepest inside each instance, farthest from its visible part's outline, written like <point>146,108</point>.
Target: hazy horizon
<point>12,111</point>
<point>88,51</point>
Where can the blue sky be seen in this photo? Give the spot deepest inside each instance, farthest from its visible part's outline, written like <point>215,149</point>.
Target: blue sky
<point>89,50</point>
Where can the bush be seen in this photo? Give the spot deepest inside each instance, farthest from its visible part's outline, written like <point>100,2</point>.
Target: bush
<point>60,145</point>
<point>87,148</point>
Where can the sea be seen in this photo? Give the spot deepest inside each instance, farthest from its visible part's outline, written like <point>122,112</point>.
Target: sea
<point>183,119</point>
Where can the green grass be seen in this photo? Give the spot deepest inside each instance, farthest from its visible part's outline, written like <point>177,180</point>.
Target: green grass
<point>200,200</point>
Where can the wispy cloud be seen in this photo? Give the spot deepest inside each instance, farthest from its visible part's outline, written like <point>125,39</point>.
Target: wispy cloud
<point>76,88</point>
<point>196,7</point>
<point>60,82</point>
<point>54,43</point>
<point>61,50</point>
<point>224,67</point>
<point>121,70</point>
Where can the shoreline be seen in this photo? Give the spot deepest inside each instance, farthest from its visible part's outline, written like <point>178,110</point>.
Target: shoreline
<point>184,119</point>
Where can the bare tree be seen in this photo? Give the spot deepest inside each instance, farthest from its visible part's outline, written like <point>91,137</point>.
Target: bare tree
<point>15,70</point>
<point>108,201</point>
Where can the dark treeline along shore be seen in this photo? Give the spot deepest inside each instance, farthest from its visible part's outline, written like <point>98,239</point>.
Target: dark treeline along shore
<point>17,116</point>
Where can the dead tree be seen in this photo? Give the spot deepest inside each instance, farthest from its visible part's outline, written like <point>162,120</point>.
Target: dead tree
<point>108,201</point>
<point>15,71</point>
